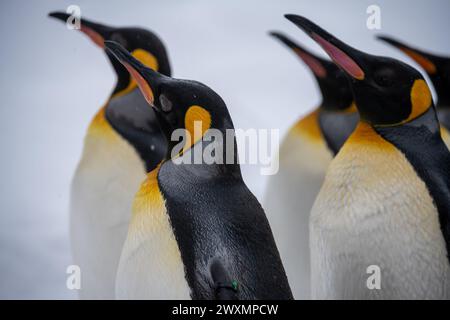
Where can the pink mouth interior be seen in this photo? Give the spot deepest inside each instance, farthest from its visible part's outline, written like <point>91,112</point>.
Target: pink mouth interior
<point>340,57</point>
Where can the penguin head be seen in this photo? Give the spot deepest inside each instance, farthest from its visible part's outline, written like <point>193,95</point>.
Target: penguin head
<point>437,68</point>
<point>143,45</point>
<point>179,104</point>
<point>333,84</point>
<point>387,92</point>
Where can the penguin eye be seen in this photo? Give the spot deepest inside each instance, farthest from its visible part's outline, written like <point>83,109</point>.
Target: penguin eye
<point>166,104</point>
<point>384,78</point>
<point>384,81</point>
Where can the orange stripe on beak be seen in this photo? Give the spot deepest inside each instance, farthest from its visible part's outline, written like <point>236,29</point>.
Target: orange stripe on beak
<point>95,36</point>
<point>143,85</point>
<point>340,58</point>
<point>425,63</point>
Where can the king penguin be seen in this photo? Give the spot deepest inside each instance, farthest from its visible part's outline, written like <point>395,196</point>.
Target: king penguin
<point>196,229</point>
<point>438,70</point>
<point>379,228</point>
<point>305,154</point>
<point>122,143</point>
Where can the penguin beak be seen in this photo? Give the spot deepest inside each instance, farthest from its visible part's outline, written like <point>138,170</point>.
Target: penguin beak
<point>98,33</point>
<point>422,58</point>
<point>353,62</point>
<point>316,64</point>
<point>146,78</point>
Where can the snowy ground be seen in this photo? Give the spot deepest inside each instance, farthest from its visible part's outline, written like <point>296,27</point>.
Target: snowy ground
<point>52,81</point>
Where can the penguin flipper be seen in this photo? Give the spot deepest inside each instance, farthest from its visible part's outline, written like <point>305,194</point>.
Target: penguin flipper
<point>224,287</point>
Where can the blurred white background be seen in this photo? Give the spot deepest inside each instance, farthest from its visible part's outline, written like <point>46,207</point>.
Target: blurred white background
<point>53,80</point>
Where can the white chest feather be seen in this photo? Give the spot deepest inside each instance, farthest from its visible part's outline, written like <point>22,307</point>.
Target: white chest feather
<point>151,266</point>
<point>103,188</point>
<point>374,210</point>
<point>290,194</point>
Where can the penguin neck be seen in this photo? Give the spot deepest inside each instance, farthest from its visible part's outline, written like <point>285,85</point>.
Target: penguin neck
<point>330,105</point>
<point>123,79</point>
<point>215,153</point>
<point>443,113</point>
<point>442,103</point>
<point>134,120</point>
<point>442,89</point>
<point>129,115</point>
<point>427,122</point>
<point>337,126</point>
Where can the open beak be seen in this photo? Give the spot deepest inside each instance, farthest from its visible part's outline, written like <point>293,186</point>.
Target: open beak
<point>423,59</point>
<point>98,33</point>
<point>315,63</point>
<point>146,78</point>
<point>349,59</point>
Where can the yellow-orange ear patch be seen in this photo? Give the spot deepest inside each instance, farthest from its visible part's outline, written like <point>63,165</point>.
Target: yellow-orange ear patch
<point>143,85</point>
<point>421,98</point>
<point>425,63</point>
<point>146,58</point>
<point>196,116</point>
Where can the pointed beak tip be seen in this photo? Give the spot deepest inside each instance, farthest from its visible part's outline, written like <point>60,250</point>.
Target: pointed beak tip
<point>390,41</point>
<point>58,15</point>
<point>274,34</point>
<point>290,16</point>
<point>382,37</point>
<point>303,23</point>
<point>295,18</point>
<point>284,39</point>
